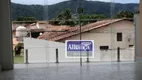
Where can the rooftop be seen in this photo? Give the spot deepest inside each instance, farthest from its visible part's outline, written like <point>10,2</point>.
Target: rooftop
<point>62,32</point>
<point>56,33</point>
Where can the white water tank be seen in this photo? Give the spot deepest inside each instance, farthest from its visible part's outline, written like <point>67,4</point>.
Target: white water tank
<point>21,31</point>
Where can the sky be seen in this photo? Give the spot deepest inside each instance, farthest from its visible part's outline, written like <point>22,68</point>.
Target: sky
<point>50,2</point>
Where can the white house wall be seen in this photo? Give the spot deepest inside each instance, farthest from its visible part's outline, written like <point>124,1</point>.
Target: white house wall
<point>125,27</point>
<point>107,36</point>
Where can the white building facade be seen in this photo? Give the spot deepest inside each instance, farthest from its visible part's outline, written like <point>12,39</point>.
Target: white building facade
<point>119,34</point>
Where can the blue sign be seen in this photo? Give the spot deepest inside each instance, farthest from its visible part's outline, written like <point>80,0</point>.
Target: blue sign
<point>76,47</point>
<point>79,46</point>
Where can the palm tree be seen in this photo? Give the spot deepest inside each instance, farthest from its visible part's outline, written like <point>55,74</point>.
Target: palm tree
<point>124,14</point>
<point>64,17</point>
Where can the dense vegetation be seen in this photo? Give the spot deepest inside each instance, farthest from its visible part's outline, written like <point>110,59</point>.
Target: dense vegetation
<point>40,12</point>
<point>66,17</point>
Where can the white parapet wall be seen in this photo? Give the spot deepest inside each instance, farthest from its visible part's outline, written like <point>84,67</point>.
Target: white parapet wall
<point>41,51</point>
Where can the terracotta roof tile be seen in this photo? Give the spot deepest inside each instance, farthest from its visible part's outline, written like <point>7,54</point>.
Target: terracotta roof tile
<point>55,36</point>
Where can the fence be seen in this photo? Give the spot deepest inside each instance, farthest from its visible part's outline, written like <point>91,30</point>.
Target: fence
<point>41,51</point>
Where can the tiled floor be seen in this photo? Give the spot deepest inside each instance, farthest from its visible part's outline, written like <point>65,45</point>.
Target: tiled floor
<point>73,71</point>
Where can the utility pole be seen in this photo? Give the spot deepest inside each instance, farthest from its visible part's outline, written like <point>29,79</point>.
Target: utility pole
<point>80,11</point>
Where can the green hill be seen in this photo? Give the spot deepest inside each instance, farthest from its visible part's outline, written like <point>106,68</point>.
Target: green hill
<point>43,12</point>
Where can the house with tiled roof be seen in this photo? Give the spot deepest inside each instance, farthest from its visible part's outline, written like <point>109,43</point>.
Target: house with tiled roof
<point>33,30</point>
<point>106,34</point>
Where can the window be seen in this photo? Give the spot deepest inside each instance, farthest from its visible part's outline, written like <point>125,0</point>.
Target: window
<point>104,47</point>
<point>119,36</point>
<point>131,45</point>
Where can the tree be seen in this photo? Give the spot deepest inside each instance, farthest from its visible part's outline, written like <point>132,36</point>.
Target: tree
<point>89,18</point>
<point>26,19</point>
<point>92,16</point>
<point>124,14</point>
<point>64,18</point>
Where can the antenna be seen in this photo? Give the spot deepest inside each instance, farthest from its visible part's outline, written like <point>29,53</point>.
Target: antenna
<point>112,8</point>
<point>45,9</point>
